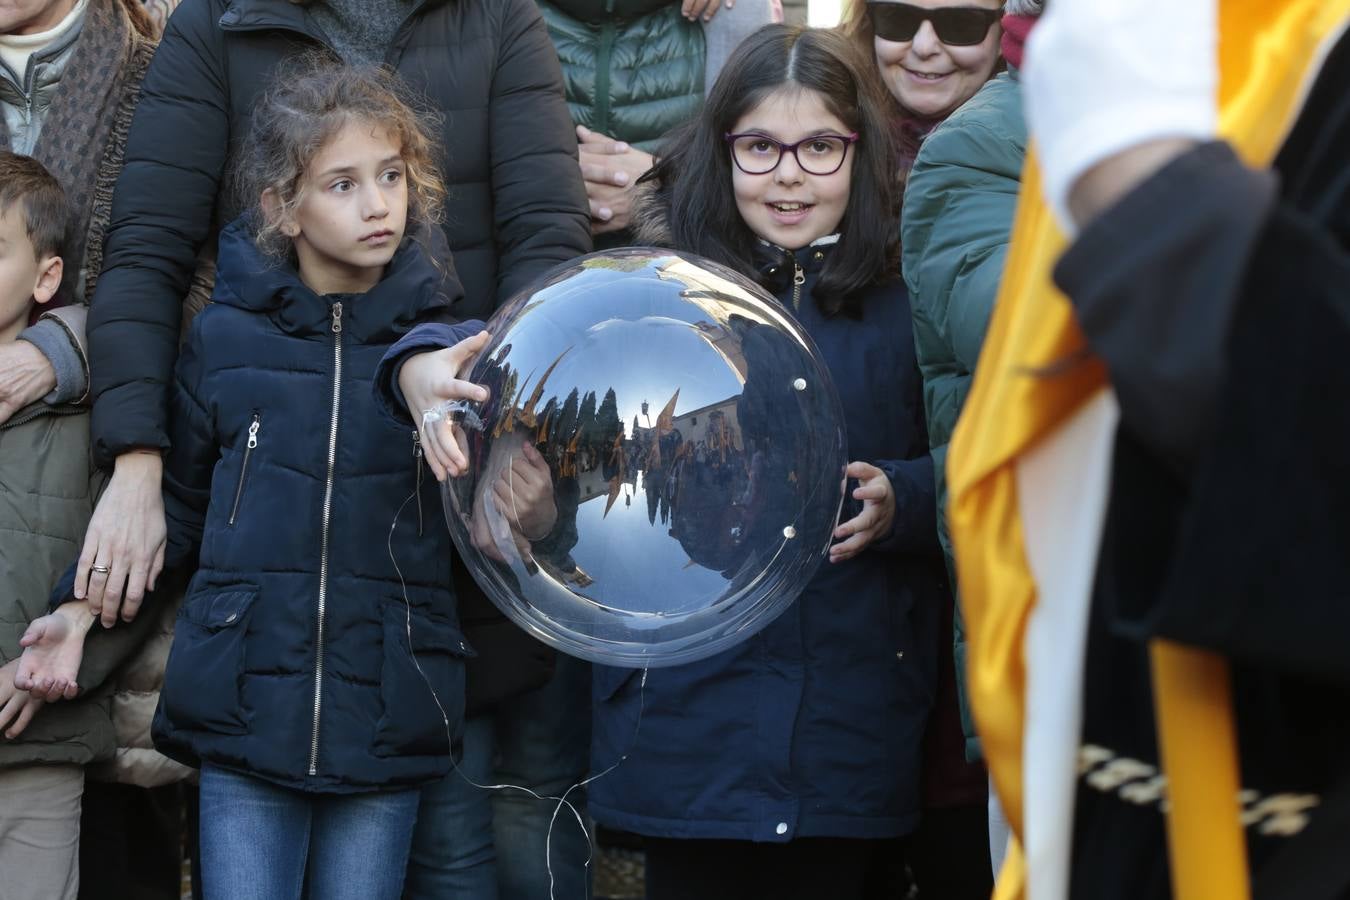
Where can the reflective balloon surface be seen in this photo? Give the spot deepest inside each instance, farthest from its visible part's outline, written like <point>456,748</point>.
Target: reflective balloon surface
<point>659,468</point>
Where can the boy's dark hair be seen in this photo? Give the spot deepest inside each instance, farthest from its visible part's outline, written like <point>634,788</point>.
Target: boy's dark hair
<point>694,175</point>
<point>41,200</point>
<point>309,102</point>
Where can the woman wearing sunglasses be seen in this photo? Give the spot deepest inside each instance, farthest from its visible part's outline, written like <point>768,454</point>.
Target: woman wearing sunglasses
<point>933,56</point>
<point>960,197</point>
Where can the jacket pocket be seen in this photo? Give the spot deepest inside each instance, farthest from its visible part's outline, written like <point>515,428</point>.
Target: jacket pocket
<point>254,428</point>
<point>205,672</point>
<point>421,683</point>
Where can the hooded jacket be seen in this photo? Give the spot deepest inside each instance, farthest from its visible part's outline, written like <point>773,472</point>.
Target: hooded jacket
<point>813,726</point>
<point>317,646</point>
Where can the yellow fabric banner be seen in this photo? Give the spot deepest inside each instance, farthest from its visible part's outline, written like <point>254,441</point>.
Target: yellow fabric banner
<point>1032,376</point>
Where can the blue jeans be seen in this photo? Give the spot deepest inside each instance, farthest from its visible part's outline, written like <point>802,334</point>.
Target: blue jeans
<point>540,740</point>
<point>259,841</point>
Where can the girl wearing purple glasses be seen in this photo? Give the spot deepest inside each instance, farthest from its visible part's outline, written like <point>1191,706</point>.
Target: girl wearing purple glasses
<point>788,766</point>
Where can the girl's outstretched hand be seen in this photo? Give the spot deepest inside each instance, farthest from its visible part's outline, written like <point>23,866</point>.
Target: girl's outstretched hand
<point>429,379</point>
<point>878,512</point>
<point>53,645</point>
<point>17,707</point>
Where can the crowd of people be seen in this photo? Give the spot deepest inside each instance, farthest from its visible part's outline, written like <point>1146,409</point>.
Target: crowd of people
<point>244,244</point>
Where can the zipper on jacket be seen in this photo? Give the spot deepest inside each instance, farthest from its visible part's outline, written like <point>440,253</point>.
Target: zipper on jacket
<point>601,117</point>
<point>43,411</point>
<point>243,469</point>
<point>327,515</point>
<point>417,464</point>
<point>798,279</point>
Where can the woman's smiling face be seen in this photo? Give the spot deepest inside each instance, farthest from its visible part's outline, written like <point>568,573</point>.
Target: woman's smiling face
<point>929,78</point>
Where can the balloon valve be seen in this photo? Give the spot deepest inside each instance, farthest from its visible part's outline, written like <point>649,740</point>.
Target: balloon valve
<point>458,412</point>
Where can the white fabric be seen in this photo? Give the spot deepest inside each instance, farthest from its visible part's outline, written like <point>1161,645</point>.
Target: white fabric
<point>1062,487</point>
<point>1101,76</point>
<point>728,28</point>
<point>16,49</point>
<point>1000,832</point>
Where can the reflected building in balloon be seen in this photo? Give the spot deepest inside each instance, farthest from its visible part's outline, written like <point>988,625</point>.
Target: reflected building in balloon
<point>694,450</point>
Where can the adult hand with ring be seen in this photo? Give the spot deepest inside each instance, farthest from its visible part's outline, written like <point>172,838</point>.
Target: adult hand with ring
<point>124,544</point>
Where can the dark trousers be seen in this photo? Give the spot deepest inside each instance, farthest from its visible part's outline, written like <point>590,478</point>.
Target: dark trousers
<point>804,869</point>
<point>131,842</point>
<point>949,854</point>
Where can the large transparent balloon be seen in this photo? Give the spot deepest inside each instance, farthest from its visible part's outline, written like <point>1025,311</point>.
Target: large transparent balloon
<point>660,465</point>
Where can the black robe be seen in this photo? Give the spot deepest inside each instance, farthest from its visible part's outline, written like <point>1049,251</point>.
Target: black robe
<point>1219,298</point>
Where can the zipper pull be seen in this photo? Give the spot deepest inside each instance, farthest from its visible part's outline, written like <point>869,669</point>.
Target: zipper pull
<point>417,462</point>
<point>337,317</point>
<point>798,279</point>
<point>253,431</point>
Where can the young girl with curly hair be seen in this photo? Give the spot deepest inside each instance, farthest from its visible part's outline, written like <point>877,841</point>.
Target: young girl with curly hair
<point>316,674</point>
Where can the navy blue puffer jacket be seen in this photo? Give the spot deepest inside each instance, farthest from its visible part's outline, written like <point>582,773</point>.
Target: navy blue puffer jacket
<point>295,657</point>
<point>813,727</point>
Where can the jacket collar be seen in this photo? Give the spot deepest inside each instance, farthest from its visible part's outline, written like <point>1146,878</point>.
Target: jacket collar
<point>776,265</point>
<point>412,289</point>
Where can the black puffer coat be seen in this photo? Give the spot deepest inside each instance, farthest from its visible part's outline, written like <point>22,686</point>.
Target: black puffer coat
<point>295,657</point>
<point>516,206</point>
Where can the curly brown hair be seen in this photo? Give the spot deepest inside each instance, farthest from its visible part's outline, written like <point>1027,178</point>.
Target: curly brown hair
<point>310,101</point>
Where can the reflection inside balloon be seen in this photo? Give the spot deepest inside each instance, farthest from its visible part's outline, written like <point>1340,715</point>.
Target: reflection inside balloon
<point>658,464</point>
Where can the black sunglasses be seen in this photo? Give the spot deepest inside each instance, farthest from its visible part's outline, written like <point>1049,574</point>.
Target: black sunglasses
<point>957,26</point>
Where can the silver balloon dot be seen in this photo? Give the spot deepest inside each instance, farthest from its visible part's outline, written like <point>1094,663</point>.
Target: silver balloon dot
<point>789,532</point>
<point>799,384</point>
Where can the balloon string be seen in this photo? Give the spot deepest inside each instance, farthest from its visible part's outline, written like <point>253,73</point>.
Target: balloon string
<point>449,734</point>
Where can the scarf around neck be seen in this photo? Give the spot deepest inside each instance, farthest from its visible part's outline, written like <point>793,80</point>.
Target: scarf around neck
<point>1014,42</point>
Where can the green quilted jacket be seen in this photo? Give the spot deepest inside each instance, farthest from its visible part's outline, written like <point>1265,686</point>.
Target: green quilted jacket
<point>47,492</point>
<point>632,69</point>
<point>957,220</point>
<point>46,498</point>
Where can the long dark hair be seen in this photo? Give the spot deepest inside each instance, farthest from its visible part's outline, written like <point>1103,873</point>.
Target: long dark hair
<point>693,177</point>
